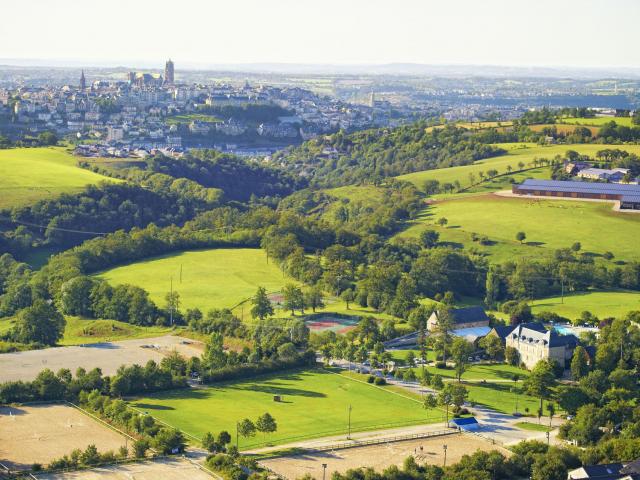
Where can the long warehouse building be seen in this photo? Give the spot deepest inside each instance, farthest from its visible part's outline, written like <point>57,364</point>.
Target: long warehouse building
<point>627,194</point>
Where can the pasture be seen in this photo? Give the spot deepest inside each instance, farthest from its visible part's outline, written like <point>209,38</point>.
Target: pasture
<point>517,153</point>
<point>594,224</point>
<point>314,404</point>
<point>41,433</point>
<point>219,278</point>
<point>426,451</point>
<point>31,174</point>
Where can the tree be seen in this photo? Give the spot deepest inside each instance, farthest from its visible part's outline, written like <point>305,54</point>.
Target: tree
<point>520,236</point>
<point>293,298</point>
<point>442,221</point>
<point>209,442</point>
<point>246,428</point>
<point>224,438</point>
<point>314,298</point>
<point>429,238</point>
<point>170,441</point>
<point>266,424</point>
<point>516,377</point>
<point>460,352</point>
<point>551,408</point>
<point>541,380</point>
<point>443,329</point>
<point>512,356</point>
<point>348,296</point>
<point>172,300</point>
<point>40,323</point>
<point>492,344</point>
<point>261,305</point>
<point>576,247</point>
<point>579,363</point>
<point>90,456</point>
<point>140,448</point>
<point>430,401</point>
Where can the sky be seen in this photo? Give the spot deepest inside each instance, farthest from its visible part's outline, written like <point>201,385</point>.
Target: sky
<point>563,33</point>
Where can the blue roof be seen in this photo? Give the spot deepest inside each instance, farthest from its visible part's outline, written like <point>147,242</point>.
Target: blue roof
<point>464,421</point>
<point>580,187</point>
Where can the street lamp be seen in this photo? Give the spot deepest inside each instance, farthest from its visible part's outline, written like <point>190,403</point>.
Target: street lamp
<point>547,438</point>
<point>444,447</point>
<point>324,470</point>
<point>349,431</point>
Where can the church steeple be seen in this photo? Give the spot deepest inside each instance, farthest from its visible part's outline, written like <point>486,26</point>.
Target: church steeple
<point>83,81</point>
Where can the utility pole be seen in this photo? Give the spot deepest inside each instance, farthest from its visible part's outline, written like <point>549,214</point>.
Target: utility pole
<point>171,302</point>
<point>349,432</point>
<point>324,470</point>
<point>547,438</point>
<point>444,447</point>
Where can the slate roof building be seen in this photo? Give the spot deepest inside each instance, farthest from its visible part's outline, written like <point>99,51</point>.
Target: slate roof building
<point>627,194</point>
<point>534,345</point>
<point>469,317</point>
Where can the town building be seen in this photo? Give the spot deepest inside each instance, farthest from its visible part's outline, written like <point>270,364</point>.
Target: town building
<point>607,471</point>
<point>604,174</point>
<point>169,78</point>
<point>627,194</point>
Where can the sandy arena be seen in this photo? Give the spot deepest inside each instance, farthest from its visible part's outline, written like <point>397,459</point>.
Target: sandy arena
<point>107,356</point>
<point>167,469</point>
<point>41,433</point>
<point>381,456</point>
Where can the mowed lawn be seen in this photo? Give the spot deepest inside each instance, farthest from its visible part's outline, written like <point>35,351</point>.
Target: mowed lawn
<point>602,304</point>
<point>31,174</point>
<point>314,404</point>
<point>516,153</point>
<point>218,278</point>
<point>548,225</point>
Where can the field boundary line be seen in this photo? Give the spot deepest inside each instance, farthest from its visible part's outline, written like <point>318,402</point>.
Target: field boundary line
<point>375,386</point>
<point>95,417</point>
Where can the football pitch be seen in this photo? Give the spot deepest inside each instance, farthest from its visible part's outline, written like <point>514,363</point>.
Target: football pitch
<point>313,403</point>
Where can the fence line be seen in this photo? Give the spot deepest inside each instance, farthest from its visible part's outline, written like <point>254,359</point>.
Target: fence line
<point>378,441</point>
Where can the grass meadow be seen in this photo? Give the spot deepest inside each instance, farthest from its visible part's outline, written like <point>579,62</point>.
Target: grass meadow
<point>516,153</point>
<point>31,174</point>
<point>218,278</point>
<point>314,404</point>
<point>594,224</point>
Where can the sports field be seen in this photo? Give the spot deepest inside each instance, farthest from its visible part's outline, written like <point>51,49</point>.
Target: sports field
<point>314,404</point>
<point>219,278</point>
<point>170,468</point>
<point>31,174</point>
<point>516,153</point>
<point>594,224</point>
<point>426,451</point>
<point>41,433</point>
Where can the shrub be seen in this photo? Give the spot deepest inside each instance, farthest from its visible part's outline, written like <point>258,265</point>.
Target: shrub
<point>371,379</point>
<point>380,381</point>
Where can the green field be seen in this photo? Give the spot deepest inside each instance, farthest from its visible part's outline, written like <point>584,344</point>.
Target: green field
<point>315,404</point>
<point>599,121</point>
<point>80,331</point>
<point>31,174</point>
<point>594,224</point>
<point>601,304</point>
<point>479,371</point>
<point>219,278</point>
<point>534,427</point>
<point>516,153</point>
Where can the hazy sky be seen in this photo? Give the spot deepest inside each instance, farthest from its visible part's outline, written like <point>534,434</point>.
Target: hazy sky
<point>209,32</point>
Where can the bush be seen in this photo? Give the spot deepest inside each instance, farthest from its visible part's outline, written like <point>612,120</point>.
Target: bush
<point>441,365</point>
<point>380,381</point>
<point>371,379</point>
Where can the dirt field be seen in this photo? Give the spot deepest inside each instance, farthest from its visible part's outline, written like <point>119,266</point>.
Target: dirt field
<point>41,433</point>
<point>171,469</point>
<point>380,456</point>
<point>107,356</point>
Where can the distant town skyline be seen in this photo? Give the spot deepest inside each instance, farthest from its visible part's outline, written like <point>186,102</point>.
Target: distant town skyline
<point>353,32</point>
